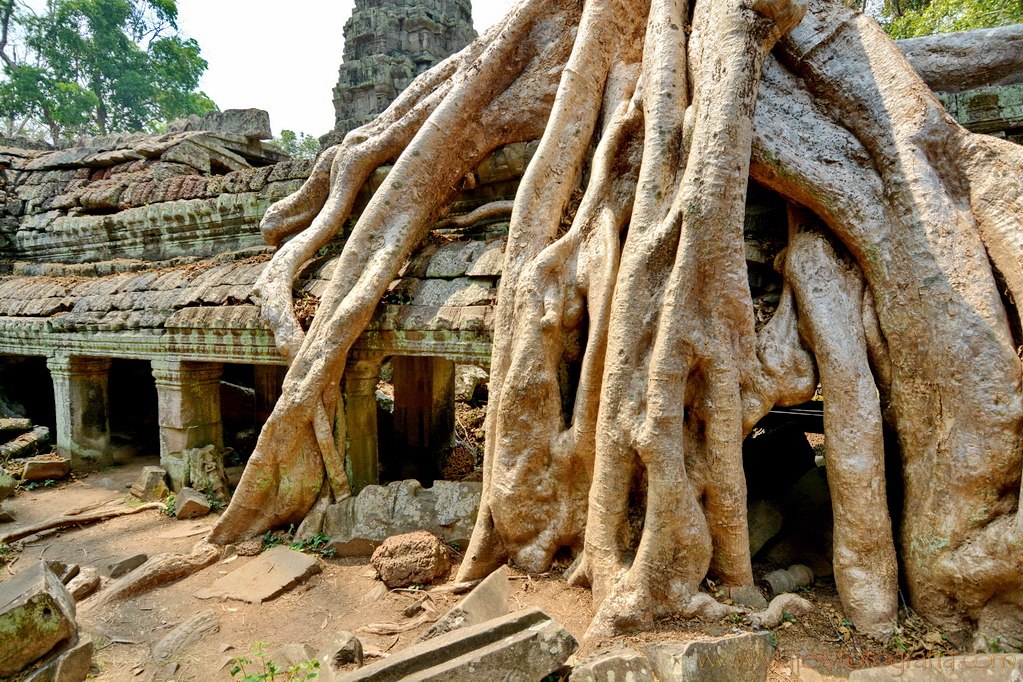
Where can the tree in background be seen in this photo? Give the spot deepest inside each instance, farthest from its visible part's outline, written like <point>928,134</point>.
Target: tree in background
<point>910,18</point>
<point>298,145</point>
<point>98,66</point>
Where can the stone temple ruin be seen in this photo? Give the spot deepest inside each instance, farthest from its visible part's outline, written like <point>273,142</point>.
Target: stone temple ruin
<point>128,324</point>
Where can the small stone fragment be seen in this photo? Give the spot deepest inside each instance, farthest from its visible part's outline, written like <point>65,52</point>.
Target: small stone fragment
<point>122,567</point>
<point>84,584</point>
<point>37,470</point>
<point>6,516</point>
<point>412,559</point>
<point>73,665</point>
<point>190,504</point>
<point>292,655</point>
<point>7,485</point>
<point>64,572</point>
<point>344,649</point>
<point>151,485</point>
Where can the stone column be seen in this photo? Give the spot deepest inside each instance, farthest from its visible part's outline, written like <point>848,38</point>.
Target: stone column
<point>189,412</point>
<point>269,379</point>
<point>81,394</point>
<point>424,409</point>
<point>363,461</point>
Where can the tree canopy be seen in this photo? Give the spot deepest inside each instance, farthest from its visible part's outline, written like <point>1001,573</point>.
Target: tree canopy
<point>98,66</point>
<point>911,18</point>
<point>298,145</point>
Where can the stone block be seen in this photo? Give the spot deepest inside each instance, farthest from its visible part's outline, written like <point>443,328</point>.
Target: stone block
<point>27,444</point>
<point>15,425</point>
<point>344,649</point>
<point>71,665</point>
<point>7,485</point>
<point>412,559</point>
<point>487,601</point>
<point>36,615</point>
<point>621,665</point>
<point>185,636</point>
<point>357,525</point>
<point>84,584</point>
<point>151,485</point>
<point>738,658</point>
<point>190,504</point>
<point>974,668</point>
<point>292,655</point>
<point>122,567</point>
<point>46,470</point>
<point>525,646</point>
<point>270,574</point>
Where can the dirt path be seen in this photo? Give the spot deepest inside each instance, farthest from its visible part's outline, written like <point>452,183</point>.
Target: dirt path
<point>345,596</point>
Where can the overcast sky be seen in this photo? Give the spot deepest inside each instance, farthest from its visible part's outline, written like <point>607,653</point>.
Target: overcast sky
<point>281,56</point>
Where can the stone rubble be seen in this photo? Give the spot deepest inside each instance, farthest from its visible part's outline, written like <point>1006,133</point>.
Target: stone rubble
<point>418,558</point>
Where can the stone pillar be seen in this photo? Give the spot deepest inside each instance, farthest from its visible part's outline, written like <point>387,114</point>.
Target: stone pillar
<point>269,379</point>
<point>424,409</point>
<point>363,460</point>
<point>81,394</point>
<point>189,412</point>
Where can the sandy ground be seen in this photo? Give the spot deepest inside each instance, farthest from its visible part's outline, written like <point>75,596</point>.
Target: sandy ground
<point>345,596</point>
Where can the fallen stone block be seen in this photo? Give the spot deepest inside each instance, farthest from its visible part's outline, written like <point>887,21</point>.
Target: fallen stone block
<point>622,665</point>
<point>973,668</point>
<point>72,665</point>
<point>151,485</point>
<point>525,646</point>
<point>190,504</point>
<point>487,601</point>
<point>412,559</point>
<point>357,525</point>
<point>27,444</point>
<point>267,576</point>
<point>64,572</point>
<point>45,470</point>
<point>37,614</point>
<point>122,567</point>
<point>739,658</point>
<point>185,636</point>
<point>344,649</point>
<point>84,584</point>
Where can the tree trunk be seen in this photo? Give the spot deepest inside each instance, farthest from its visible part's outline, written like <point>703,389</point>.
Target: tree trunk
<point>899,222</point>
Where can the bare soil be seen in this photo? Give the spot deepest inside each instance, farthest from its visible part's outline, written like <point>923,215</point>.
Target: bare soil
<point>345,596</point>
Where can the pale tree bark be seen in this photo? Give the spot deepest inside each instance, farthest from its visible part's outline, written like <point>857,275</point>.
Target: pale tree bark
<point>628,366</point>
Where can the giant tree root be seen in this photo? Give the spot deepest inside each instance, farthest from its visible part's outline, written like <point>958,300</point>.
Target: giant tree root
<point>75,520</point>
<point>628,365</point>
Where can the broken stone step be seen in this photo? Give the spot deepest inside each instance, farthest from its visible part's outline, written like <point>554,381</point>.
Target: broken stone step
<point>525,646</point>
<point>37,614</point>
<point>16,425</point>
<point>27,444</point>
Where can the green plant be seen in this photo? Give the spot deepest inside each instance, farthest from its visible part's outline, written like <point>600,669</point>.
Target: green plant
<point>169,506</point>
<point>993,645</point>
<point>214,502</point>
<point>268,670</point>
<point>33,485</point>
<point>315,545</point>
<point>8,552</point>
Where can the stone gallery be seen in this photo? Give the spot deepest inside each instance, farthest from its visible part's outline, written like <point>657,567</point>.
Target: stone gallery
<point>659,243</point>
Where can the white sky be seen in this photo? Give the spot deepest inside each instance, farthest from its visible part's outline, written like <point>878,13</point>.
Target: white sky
<point>282,57</point>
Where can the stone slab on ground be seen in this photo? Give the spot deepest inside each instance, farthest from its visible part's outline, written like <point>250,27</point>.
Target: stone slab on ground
<point>36,615</point>
<point>72,665</point>
<point>525,646</point>
<point>973,668</point>
<point>185,636</point>
<point>267,576</point>
<point>620,665</point>
<point>487,601</point>
<point>738,658</point>
<point>46,470</point>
